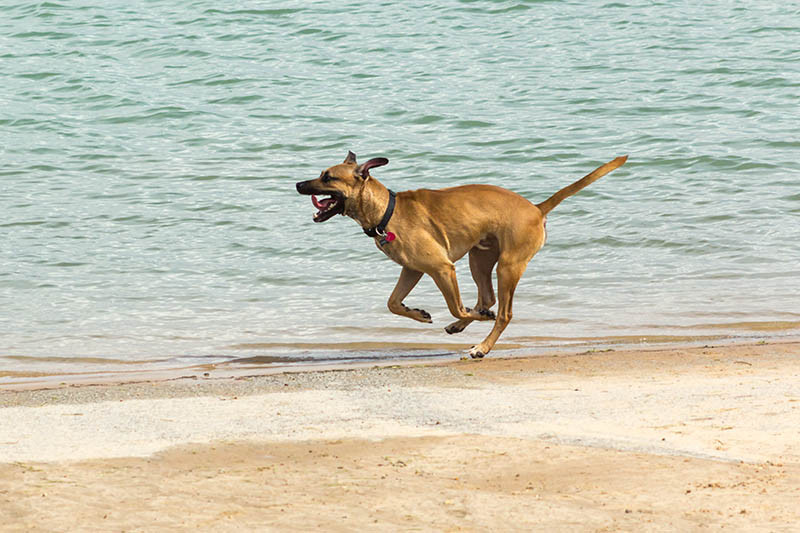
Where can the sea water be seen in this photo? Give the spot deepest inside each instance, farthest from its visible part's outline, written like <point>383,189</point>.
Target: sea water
<point>149,152</point>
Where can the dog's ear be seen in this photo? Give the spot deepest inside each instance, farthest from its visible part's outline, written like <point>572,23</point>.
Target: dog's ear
<point>351,157</point>
<point>363,170</point>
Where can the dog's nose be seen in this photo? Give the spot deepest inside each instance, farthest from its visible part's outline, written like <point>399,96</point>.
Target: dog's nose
<point>300,186</point>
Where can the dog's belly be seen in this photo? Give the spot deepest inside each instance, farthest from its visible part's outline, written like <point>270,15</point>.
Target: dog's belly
<point>485,244</point>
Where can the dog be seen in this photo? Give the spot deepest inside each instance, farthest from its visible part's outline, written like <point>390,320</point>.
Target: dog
<point>426,231</point>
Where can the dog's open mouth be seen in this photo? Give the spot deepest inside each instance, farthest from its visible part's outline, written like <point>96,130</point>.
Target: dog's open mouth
<point>328,207</point>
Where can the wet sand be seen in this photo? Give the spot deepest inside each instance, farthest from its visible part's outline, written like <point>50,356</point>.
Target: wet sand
<point>652,438</point>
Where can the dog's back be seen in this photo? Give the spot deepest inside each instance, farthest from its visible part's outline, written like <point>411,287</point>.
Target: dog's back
<point>487,204</point>
<point>461,217</point>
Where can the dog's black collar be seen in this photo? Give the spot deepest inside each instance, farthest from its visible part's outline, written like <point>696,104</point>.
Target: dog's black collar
<point>380,229</point>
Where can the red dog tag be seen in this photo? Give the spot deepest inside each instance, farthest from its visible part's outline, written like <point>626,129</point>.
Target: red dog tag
<point>390,236</point>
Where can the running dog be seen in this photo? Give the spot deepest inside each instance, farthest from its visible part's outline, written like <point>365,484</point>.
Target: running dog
<point>427,231</point>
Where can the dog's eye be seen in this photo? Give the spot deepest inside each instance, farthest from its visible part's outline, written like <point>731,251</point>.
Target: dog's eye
<point>327,178</point>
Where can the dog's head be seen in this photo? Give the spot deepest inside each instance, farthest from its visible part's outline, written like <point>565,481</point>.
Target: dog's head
<point>340,183</point>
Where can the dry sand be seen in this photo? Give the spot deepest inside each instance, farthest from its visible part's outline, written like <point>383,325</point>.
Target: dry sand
<point>678,439</point>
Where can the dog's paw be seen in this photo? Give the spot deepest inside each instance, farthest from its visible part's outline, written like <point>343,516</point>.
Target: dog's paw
<point>488,314</point>
<point>476,353</point>
<point>424,316</point>
<point>480,314</point>
<point>453,328</point>
<point>424,313</point>
<point>419,315</point>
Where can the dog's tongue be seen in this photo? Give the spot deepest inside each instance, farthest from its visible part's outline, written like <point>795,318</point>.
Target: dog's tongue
<point>321,204</point>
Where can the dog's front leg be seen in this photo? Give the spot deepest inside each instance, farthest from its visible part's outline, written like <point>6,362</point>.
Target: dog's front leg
<point>408,280</point>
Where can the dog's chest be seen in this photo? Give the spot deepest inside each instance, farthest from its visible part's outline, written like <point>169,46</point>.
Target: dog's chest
<point>393,250</point>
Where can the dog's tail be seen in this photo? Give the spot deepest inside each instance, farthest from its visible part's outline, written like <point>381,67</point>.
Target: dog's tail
<point>549,204</point>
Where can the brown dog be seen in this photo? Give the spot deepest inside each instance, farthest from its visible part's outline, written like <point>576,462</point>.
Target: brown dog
<point>426,231</point>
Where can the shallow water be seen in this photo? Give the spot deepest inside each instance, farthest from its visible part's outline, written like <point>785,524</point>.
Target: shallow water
<point>150,151</point>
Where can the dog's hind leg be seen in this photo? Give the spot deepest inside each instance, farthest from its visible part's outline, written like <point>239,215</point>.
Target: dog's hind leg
<point>445,278</point>
<point>481,263</point>
<point>509,273</point>
<point>408,280</point>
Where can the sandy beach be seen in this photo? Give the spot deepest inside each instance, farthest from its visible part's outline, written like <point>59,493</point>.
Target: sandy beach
<point>652,438</point>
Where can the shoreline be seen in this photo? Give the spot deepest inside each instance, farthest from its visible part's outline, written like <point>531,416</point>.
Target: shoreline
<point>662,437</point>
<point>387,354</point>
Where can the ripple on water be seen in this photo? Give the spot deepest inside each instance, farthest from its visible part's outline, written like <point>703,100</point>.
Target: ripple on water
<point>150,154</point>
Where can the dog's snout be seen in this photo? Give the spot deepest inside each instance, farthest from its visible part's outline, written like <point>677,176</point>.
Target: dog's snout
<point>302,186</point>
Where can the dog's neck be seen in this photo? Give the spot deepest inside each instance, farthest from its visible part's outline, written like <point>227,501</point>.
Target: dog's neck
<point>369,204</point>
